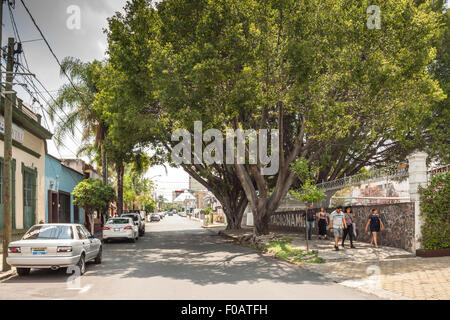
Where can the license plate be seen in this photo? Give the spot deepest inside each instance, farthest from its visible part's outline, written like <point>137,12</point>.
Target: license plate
<point>117,229</point>
<point>38,251</point>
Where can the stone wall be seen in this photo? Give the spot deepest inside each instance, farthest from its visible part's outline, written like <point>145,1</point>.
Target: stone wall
<point>398,220</point>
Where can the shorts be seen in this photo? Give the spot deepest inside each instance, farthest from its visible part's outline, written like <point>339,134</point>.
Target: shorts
<point>337,232</point>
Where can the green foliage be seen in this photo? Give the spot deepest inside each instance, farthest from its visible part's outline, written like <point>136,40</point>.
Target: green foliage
<point>75,106</point>
<point>348,91</point>
<point>146,201</point>
<point>206,211</point>
<point>92,194</point>
<point>283,249</point>
<point>308,193</point>
<point>435,210</point>
<point>136,187</point>
<point>437,135</point>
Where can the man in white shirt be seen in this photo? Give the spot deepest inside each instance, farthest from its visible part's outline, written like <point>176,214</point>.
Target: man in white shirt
<point>337,225</point>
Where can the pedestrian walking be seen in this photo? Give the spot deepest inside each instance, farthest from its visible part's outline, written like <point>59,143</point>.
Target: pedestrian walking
<point>376,225</point>
<point>310,217</point>
<point>348,216</point>
<point>322,222</point>
<point>337,225</point>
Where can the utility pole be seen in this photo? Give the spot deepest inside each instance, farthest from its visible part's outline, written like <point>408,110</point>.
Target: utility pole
<point>1,39</point>
<point>7,167</point>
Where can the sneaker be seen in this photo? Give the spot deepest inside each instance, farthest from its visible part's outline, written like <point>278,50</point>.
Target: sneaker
<point>352,246</point>
<point>336,248</point>
<point>342,245</point>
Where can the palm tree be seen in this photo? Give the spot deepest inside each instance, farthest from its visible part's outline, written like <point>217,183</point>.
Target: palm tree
<point>74,106</point>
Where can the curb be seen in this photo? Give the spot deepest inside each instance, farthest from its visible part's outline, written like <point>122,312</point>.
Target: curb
<point>212,227</point>
<point>5,275</point>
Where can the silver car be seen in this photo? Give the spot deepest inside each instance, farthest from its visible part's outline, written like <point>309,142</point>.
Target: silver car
<point>54,246</point>
<point>120,228</point>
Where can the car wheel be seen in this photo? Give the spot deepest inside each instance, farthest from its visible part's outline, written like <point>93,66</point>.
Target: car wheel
<point>98,258</point>
<point>23,271</point>
<point>133,240</point>
<point>82,264</point>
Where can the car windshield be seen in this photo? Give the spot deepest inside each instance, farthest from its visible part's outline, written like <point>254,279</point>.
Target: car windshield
<point>118,221</point>
<point>135,217</point>
<point>49,232</point>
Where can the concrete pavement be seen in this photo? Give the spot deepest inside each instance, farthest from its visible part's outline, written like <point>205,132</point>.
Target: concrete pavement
<point>390,273</point>
<point>177,259</point>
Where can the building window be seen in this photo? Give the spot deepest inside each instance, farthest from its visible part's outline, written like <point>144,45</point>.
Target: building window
<point>76,214</point>
<point>29,197</point>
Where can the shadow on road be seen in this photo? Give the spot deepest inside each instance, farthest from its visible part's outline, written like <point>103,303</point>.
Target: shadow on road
<point>200,256</point>
<point>197,255</point>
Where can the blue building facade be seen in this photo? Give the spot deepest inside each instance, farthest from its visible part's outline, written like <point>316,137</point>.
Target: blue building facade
<point>60,181</point>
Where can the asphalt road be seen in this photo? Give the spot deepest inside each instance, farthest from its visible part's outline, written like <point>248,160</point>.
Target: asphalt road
<point>177,259</point>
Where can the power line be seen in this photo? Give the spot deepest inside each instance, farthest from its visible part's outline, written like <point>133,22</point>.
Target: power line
<point>51,96</point>
<point>45,118</point>
<point>52,52</point>
<point>16,31</point>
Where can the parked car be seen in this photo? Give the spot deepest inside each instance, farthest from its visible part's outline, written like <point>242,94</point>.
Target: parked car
<point>170,213</point>
<point>120,228</point>
<point>155,217</point>
<point>137,218</point>
<point>161,214</point>
<point>182,214</point>
<point>54,246</point>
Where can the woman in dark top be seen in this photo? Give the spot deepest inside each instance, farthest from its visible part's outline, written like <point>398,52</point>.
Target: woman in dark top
<point>323,221</point>
<point>348,216</point>
<point>376,225</point>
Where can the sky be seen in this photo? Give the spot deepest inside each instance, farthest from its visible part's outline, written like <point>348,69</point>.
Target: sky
<point>86,43</point>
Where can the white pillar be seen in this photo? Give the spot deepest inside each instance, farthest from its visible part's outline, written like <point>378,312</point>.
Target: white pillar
<point>417,177</point>
<point>248,217</point>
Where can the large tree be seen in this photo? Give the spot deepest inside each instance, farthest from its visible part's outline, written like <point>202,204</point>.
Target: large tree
<point>132,39</point>
<point>341,95</point>
<point>74,108</point>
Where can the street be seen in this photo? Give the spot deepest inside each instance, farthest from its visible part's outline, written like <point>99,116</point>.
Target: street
<point>177,259</point>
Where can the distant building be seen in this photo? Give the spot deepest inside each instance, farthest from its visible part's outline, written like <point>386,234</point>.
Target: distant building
<point>194,185</point>
<point>60,180</point>
<point>85,168</point>
<point>176,193</point>
<point>28,167</point>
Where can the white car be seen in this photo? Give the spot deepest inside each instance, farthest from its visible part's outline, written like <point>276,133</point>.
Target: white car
<point>120,228</point>
<point>54,246</point>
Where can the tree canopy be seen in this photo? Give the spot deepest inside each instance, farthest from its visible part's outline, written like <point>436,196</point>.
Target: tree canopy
<point>342,96</point>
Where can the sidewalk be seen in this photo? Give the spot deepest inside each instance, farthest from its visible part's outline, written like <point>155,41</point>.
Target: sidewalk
<point>4,275</point>
<point>387,272</point>
<point>209,226</point>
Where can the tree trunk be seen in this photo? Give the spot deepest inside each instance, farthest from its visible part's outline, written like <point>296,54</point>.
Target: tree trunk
<point>104,164</point>
<point>261,221</point>
<point>234,211</point>
<point>120,174</point>
<point>91,222</point>
<point>105,178</point>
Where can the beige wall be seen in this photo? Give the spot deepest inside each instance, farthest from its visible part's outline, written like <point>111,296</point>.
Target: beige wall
<point>30,161</point>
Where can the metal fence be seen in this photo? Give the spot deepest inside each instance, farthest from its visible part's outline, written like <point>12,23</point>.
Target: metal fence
<point>387,173</point>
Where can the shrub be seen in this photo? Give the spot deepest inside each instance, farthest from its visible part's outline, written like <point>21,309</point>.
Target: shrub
<point>435,210</point>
